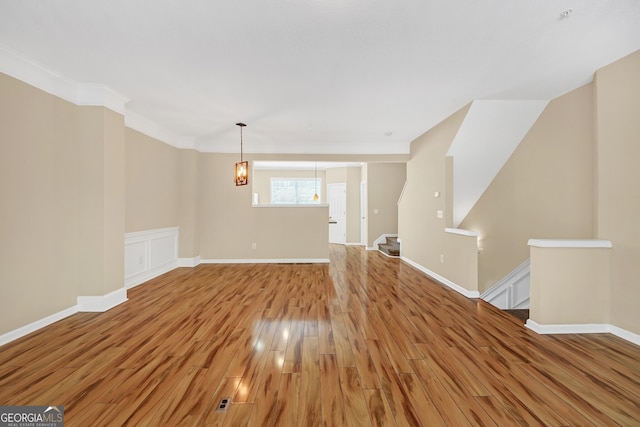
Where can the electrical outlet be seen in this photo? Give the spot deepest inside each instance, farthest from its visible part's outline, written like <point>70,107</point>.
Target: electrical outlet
<point>442,258</point>
<point>254,246</point>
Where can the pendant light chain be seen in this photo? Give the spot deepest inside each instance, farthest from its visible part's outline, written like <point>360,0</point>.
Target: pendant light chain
<point>241,159</point>
<point>241,125</point>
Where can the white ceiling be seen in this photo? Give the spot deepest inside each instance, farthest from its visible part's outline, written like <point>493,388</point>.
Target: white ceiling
<point>317,76</point>
<point>489,134</point>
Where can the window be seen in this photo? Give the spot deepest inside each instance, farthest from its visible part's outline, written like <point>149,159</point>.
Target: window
<point>294,191</point>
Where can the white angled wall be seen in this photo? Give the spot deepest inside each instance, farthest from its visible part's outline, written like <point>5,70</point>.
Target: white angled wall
<point>148,254</point>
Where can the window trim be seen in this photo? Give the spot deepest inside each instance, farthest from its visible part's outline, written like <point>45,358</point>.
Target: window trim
<point>318,188</point>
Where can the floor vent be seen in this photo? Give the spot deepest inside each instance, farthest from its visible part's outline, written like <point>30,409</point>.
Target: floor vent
<point>223,406</point>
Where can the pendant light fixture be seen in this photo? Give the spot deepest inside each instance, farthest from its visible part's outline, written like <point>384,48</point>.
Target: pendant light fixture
<point>242,168</point>
<point>315,175</point>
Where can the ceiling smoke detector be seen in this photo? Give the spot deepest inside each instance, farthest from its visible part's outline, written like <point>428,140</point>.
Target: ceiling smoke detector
<point>567,13</point>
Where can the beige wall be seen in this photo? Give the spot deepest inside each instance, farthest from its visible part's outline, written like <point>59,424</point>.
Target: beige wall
<point>544,190</point>
<point>39,192</point>
<point>113,185</point>
<point>62,192</point>
<point>229,224</point>
<point>384,186</point>
<point>570,285</point>
<point>422,233</point>
<point>162,189</point>
<point>618,183</point>
<point>189,203</point>
<point>336,176</point>
<point>153,179</point>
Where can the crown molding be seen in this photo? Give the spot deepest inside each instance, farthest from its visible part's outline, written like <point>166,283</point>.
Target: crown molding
<point>309,148</point>
<point>36,75</point>
<point>100,95</point>
<point>150,128</point>
<point>83,94</point>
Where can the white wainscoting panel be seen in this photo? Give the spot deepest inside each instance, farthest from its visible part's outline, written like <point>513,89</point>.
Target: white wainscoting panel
<point>148,254</point>
<point>512,291</point>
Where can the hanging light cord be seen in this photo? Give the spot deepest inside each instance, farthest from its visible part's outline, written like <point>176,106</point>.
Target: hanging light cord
<point>241,144</point>
<point>241,125</point>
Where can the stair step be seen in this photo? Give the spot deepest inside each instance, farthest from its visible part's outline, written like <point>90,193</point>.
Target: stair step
<point>393,250</point>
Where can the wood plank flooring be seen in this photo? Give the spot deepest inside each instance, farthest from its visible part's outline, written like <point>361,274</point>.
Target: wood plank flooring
<point>365,341</point>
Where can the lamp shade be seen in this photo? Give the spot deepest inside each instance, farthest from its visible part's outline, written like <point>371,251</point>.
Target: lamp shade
<point>242,173</point>
<point>242,167</point>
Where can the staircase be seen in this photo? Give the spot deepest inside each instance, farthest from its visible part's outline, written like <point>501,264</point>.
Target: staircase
<point>512,291</point>
<point>391,246</point>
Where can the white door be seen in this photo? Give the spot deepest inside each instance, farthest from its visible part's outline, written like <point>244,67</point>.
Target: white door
<point>363,213</point>
<point>337,194</point>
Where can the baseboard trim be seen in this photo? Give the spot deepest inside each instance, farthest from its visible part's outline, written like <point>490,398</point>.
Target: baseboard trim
<point>461,290</point>
<point>102,303</point>
<point>38,324</point>
<point>387,255</point>
<point>596,328</point>
<point>267,261</point>
<point>189,262</point>
<point>625,335</point>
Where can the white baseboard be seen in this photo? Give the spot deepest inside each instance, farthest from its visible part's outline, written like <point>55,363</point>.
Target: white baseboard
<point>625,335</point>
<point>189,262</point>
<point>102,303</point>
<point>387,255</point>
<point>267,261</point>
<point>85,304</point>
<point>38,324</point>
<point>596,328</point>
<point>461,290</point>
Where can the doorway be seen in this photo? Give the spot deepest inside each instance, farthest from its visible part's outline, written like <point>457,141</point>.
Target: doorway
<point>337,197</point>
<point>363,214</point>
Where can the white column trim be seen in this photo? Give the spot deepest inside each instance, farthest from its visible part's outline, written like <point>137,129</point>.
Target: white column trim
<point>102,303</point>
<point>462,232</point>
<point>595,328</point>
<point>189,262</point>
<point>567,243</point>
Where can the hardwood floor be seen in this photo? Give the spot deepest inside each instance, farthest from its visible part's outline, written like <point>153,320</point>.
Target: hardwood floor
<point>365,341</point>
